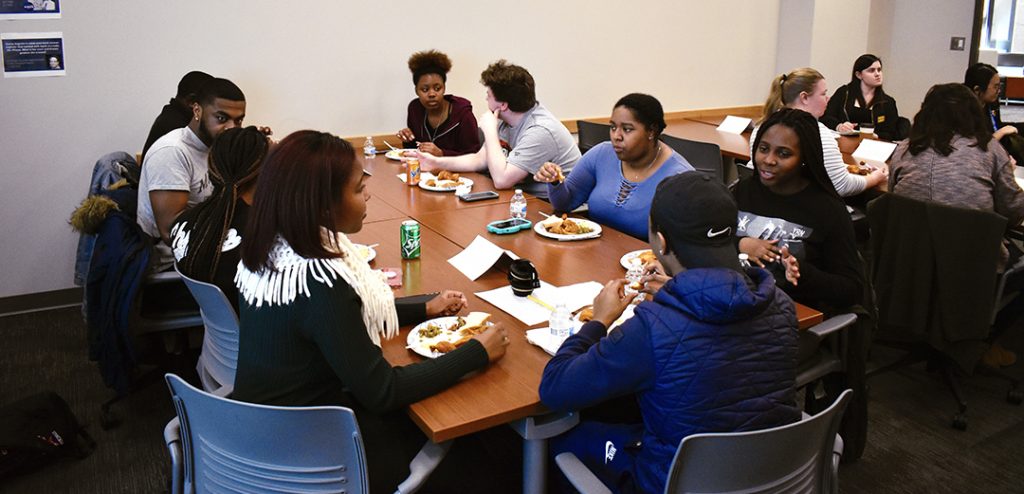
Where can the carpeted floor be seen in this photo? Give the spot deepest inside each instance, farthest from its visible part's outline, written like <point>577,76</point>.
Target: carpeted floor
<point>911,448</point>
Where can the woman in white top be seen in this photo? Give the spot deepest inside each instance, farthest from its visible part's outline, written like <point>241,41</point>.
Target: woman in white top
<point>805,89</point>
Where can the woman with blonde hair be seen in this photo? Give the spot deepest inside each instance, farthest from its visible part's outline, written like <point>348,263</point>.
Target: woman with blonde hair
<point>805,89</point>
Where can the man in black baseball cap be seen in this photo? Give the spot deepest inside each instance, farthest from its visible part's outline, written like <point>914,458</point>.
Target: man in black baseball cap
<point>714,351</point>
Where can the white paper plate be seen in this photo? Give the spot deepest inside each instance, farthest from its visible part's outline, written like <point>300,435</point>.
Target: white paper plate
<point>628,257</point>
<point>396,154</point>
<point>421,345</point>
<point>429,176</point>
<point>594,233</point>
<point>367,252</point>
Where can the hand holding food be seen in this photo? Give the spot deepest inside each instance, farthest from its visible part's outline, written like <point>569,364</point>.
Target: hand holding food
<point>654,277</point>
<point>759,251</point>
<point>447,303</point>
<point>549,172</point>
<point>494,341</point>
<point>610,303</point>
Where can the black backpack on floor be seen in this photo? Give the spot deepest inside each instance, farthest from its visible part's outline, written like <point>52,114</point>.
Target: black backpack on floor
<point>38,430</point>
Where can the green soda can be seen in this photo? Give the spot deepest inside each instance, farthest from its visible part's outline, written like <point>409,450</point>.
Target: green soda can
<point>410,239</point>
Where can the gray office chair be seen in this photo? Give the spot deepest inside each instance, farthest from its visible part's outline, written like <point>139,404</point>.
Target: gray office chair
<point>226,445</point>
<point>827,358</point>
<point>705,157</point>
<point>591,134</point>
<point>219,357</point>
<point>802,457</point>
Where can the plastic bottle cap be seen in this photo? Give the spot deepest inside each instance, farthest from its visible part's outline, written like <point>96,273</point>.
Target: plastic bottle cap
<point>519,191</point>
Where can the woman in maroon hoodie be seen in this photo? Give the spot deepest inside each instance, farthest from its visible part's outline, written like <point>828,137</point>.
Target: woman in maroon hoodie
<point>439,124</point>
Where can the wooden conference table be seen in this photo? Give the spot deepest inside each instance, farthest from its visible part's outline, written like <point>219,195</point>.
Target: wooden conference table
<point>506,391</point>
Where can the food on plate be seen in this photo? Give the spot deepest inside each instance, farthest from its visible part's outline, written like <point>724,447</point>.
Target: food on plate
<point>585,314</point>
<point>456,334</point>
<point>862,169</point>
<point>445,180</point>
<point>636,285</point>
<point>646,257</point>
<point>566,226</point>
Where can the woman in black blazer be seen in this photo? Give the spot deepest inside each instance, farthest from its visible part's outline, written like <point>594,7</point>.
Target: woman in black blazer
<point>863,102</point>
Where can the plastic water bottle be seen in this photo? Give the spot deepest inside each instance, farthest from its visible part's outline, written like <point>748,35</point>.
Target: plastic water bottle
<point>560,322</point>
<point>517,207</point>
<point>368,148</point>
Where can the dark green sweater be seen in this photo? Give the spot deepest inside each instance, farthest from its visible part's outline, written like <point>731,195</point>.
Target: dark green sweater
<point>315,351</point>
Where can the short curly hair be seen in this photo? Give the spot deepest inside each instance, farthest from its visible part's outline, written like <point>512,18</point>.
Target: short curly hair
<point>510,83</point>
<point>426,62</point>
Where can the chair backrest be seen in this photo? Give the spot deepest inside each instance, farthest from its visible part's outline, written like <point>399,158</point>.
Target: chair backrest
<point>922,274</point>
<point>242,447</point>
<point>794,458</point>
<point>591,134</point>
<point>219,357</point>
<point>705,157</point>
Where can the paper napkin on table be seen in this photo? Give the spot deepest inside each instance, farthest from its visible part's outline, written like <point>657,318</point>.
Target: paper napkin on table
<point>479,256</point>
<point>536,308</point>
<point>874,153</point>
<point>734,125</point>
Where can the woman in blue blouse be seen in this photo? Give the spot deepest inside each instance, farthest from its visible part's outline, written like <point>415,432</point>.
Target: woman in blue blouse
<point>617,179</point>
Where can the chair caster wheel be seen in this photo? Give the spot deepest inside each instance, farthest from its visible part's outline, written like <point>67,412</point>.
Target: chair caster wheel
<point>1014,396</point>
<point>960,422</point>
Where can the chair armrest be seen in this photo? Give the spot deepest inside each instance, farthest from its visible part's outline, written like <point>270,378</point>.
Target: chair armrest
<point>1015,232</point>
<point>579,475</point>
<point>833,324</point>
<point>172,437</point>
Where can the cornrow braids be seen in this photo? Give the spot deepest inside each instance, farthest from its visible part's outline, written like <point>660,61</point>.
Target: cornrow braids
<point>234,162</point>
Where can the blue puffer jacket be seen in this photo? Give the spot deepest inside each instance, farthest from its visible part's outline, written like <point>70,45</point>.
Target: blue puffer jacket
<point>710,353</point>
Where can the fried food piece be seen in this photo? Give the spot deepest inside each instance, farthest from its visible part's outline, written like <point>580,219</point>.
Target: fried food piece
<point>447,175</point>
<point>636,285</point>
<point>586,314</point>
<point>646,257</point>
<point>431,183</point>
<point>560,178</point>
<point>567,227</point>
<point>442,347</point>
<point>861,169</point>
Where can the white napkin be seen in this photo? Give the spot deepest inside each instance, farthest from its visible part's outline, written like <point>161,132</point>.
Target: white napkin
<point>536,309</point>
<point>734,125</point>
<point>874,153</point>
<point>479,256</point>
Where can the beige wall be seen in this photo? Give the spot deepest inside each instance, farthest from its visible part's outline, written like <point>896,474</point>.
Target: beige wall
<point>823,34</point>
<point>340,67</point>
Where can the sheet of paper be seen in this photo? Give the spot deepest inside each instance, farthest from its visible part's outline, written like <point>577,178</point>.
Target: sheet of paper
<point>536,308</point>
<point>479,256</point>
<point>874,153</point>
<point>734,125</point>
<point>543,338</point>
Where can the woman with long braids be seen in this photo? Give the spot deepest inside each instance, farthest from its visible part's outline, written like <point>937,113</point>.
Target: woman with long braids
<point>205,238</point>
<point>789,206</point>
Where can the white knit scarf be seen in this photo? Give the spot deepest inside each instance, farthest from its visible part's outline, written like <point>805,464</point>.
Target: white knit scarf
<point>287,278</point>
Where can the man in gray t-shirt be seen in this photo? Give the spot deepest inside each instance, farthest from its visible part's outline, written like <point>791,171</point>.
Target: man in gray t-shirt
<point>520,134</point>
<point>174,173</point>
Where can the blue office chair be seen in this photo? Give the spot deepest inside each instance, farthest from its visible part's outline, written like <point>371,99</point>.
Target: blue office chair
<point>802,457</point>
<point>219,357</point>
<point>223,445</point>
